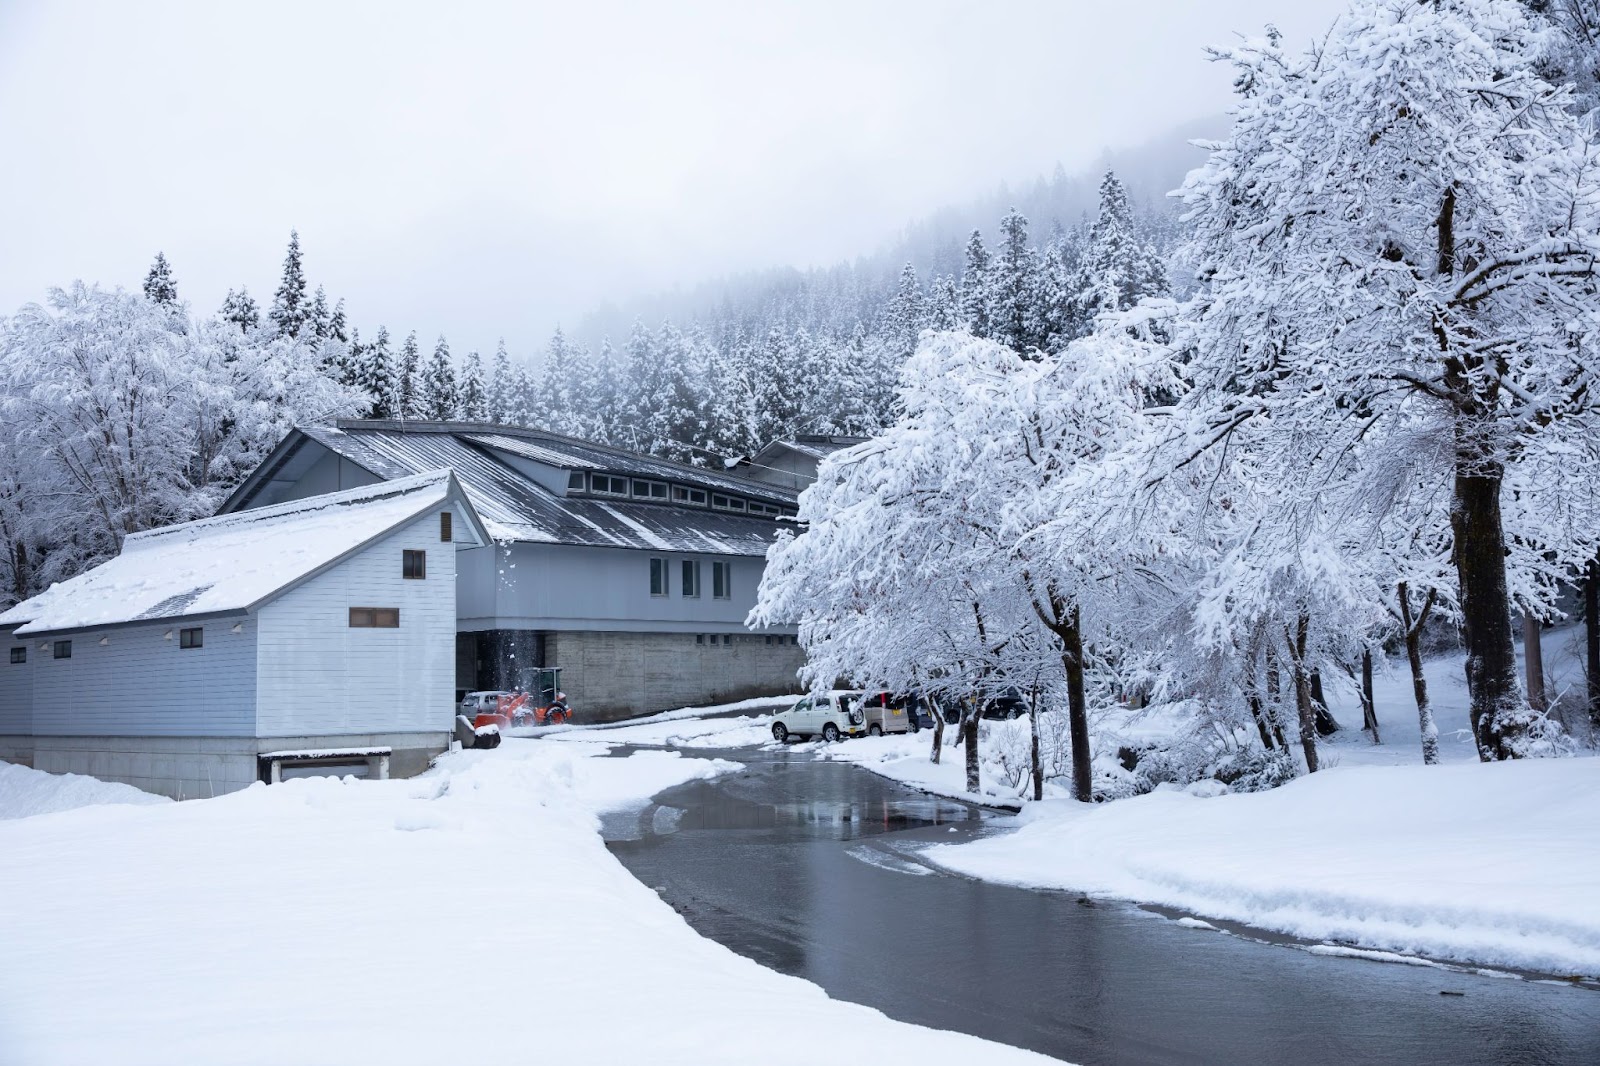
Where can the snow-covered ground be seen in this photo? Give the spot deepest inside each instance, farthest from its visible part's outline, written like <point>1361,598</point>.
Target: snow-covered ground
<point>1492,864</point>
<point>25,792</point>
<point>469,915</point>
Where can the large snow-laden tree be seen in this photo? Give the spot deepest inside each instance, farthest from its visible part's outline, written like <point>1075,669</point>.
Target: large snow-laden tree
<point>118,414</point>
<point>965,542</point>
<point>1401,226</point>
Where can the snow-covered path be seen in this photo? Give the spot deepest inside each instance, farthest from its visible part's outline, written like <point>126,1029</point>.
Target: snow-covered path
<point>471,915</point>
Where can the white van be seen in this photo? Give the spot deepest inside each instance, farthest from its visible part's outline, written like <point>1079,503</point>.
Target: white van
<point>831,716</point>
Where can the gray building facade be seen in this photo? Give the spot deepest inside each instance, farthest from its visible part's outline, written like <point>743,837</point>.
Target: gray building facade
<point>632,574</point>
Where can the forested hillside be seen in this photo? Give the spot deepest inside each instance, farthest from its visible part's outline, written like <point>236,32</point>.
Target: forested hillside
<point>126,410</point>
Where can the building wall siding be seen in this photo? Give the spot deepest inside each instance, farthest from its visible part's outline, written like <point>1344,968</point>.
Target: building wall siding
<point>16,687</point>
<point>140,683</point>
<point>320,677</point>
<point>571,587</point>
<point>618,675</point>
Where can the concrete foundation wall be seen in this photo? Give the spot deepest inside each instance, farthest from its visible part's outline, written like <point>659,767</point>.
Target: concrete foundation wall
<point>17,749</point>
<point>202,767</point>
<point>617,675</point>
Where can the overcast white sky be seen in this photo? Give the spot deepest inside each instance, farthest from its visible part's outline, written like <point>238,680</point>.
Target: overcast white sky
<point>488,169</point>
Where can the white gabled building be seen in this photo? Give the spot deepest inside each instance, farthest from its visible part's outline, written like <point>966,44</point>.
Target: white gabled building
<point>216,653</point>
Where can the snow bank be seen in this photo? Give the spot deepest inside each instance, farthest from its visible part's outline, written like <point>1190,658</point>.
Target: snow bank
<point>25,792</point>
<point>903,757</point>
<point>1486,863</point>
<point>470,915</point>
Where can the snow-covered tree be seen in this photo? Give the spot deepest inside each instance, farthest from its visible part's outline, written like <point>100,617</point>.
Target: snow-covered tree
<point>159,285</point>
<point>501,386</point>
<point>1400,228</point>
<point>240,309</point>
<point>375,376</point>
<point>408,390</point>
<point>288,313</point>
<point>439,400</point>
<point>474,398</point>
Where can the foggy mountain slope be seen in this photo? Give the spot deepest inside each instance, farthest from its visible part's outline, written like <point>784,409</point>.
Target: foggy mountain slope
<point>932,244</point>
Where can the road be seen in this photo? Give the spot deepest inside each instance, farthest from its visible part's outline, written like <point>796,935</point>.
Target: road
<point>810,867</point>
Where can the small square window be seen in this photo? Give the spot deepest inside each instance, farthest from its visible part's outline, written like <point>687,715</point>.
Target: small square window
<point>691,578</point>
<point>727,640</point>
<point>19,655</point>
<point>414,564</point>
<point>721,581</point>
<point>375,617</point>
<point>446,534</point>
<point>684,494</point>
<point>192,638</point>
<point>62,649</point>
<point>658,577</point>
<point>575,480</point>
<point>699,638</point>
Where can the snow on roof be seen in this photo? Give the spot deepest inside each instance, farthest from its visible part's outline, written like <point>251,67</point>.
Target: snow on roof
<point>514,507</point>
<point>229,562</point>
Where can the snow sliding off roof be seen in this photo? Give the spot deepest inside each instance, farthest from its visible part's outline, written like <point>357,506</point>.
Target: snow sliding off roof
<point>230,562</point>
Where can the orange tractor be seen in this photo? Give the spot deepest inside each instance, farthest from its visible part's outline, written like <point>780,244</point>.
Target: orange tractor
<point>540,703</point>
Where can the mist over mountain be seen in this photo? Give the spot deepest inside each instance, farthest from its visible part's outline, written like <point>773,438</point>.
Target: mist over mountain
<point>933,245</point>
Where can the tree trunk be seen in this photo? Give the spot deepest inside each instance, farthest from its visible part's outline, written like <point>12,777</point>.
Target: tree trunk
<point>1261,723</point>
<point>1327,726</point>
<point>1302,692</point>
<point>969,740</point>
<point>1533,661</point>
<point>936,712</point>
<point>1369,709</point>
<point>1591,634</point>
<point>1077,710</point>
<point>1275,698</point>
<point>1038,759</point>
<point>1480,558</point>
<point>1419,684</point>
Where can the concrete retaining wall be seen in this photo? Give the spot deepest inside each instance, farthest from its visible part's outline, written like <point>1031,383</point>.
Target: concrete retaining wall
<point>202,767</point>
<point>617,675</point>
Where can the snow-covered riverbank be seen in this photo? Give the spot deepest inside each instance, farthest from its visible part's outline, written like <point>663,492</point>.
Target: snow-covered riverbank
<point>1493,864</point>
<point>469,915</point>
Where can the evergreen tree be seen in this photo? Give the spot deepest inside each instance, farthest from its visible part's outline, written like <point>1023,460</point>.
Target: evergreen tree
<point>1118,266</point>
<point>474,399</point>
<point>944,304</point>
<point>375,375</point>
<point>1013,289</point>
<point>240,309</point>
<point>907,314</point>
<point>318,320</point>
<point>350,365</point>
<point>408,380</point>
<point>441,402</point>
<point>502,387</point>
<point>975,287</point>
<point>159,286</point>
<point>288,312</point>
<point>338,326</point>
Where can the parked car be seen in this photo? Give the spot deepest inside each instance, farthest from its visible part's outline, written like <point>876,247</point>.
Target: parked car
<point>831,716</point>
<point>904,712</point>
<point>1010,704</point>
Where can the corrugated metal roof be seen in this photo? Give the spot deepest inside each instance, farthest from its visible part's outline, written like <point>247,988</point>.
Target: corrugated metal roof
<point>229,562</point>
<point>516,508</point>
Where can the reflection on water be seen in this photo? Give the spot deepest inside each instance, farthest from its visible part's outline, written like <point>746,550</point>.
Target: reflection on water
<point>807,867</point>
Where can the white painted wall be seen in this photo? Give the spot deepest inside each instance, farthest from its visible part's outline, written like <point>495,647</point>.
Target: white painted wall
<point>319,677</point>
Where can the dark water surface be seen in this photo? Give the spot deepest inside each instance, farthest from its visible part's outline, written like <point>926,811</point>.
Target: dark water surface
<point>809,868</point>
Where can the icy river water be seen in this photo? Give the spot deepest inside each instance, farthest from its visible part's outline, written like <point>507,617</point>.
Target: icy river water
<point>809,867</point>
